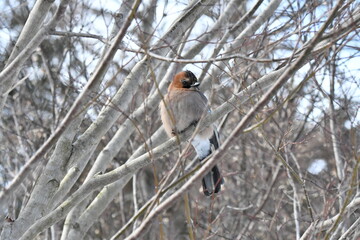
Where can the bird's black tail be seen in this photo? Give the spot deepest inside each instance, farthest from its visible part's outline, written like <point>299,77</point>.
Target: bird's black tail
<point>213,180</point>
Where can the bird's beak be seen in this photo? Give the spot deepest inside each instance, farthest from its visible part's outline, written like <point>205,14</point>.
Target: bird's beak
<point>195,84</point>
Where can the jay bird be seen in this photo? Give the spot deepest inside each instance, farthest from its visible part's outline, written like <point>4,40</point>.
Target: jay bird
<point>183,106</point>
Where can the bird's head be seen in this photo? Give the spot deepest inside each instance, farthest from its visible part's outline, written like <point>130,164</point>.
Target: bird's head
<point>184,79</point>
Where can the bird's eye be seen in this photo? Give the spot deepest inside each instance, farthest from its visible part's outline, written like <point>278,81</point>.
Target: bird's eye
<point>185,83</point>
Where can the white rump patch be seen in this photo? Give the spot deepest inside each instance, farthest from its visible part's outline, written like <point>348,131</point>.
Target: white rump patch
<point>202,146</point>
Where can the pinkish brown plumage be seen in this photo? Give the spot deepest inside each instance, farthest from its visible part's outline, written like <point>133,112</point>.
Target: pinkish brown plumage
<point>184,105</point>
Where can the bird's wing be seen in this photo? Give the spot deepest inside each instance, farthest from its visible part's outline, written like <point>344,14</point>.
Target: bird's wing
<point>214,140</point>
<point>187,107</point>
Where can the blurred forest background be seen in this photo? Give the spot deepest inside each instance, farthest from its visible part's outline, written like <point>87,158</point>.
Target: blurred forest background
<point>82,151</point>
